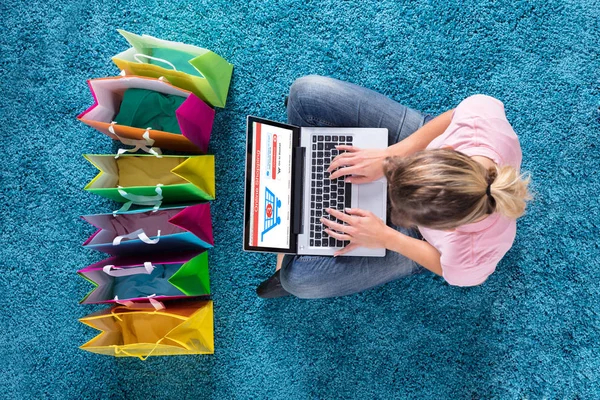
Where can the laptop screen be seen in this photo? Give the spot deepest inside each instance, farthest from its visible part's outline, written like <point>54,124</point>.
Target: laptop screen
<point>269,186</point>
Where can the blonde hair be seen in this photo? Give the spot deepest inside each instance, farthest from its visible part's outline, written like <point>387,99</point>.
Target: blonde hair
<point>444,189</point>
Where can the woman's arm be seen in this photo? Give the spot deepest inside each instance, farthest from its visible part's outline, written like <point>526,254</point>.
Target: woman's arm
<point>363,228</point>
<point>422,137</point>
<point>419,251</point>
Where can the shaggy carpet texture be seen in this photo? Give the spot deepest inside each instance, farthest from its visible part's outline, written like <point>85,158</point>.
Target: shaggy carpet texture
<point>530,332</point>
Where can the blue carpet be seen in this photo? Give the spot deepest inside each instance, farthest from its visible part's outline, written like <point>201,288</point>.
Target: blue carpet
<point>530,332</point>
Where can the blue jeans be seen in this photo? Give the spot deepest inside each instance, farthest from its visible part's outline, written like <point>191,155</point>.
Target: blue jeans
<point>320,101</point>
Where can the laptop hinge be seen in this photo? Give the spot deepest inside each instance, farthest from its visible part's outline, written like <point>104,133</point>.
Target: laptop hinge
<point>299,155</point>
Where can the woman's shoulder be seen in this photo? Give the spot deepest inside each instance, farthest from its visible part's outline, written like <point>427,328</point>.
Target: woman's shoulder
<point>479,127</point>
<point>480,106</point>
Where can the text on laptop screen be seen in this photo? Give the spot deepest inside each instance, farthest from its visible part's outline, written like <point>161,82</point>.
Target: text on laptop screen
<point>270,203</point>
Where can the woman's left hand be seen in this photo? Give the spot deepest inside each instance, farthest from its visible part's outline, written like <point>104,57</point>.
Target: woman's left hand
<point>364,229</point>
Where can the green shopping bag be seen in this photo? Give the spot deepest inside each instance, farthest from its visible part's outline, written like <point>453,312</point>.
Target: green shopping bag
<point>160,277</point>
<point>147,180</point>
<point>196,69</point>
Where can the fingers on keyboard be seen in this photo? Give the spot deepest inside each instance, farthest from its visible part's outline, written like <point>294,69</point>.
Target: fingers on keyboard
<point>326,192</point>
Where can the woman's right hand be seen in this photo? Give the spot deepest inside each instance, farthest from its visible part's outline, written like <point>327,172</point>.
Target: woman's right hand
<point>365,165</point>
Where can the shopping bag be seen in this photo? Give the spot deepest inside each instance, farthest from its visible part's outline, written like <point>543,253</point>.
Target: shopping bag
<point>192,68</point>
<point>188,120</point>
<point>129,283</point>
<point>185,327</point>
<point>148,180</point>
<point>131,233</point>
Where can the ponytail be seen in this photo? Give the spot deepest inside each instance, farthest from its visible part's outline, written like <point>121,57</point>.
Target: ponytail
<point>509,191</point>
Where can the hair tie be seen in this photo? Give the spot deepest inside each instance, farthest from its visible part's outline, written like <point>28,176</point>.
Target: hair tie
<point>488,191</point>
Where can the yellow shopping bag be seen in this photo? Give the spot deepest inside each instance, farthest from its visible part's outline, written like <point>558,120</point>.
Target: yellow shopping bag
<point>182,328</point>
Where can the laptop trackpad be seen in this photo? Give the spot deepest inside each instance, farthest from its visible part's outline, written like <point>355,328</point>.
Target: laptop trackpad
<point>370,197</point>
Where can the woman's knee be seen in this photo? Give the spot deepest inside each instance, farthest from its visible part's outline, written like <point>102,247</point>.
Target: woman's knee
<point>307,94</point>
<point>309,84</point>
<point>300,279</point>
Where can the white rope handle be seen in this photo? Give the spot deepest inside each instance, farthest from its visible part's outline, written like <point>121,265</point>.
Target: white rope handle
<point>154,201</point>
<point>142,200</point>
<point>136,234</point>
<point>154,304</point>
<point>117,271</point>
<point>153,58</point>
<point>145,145</point>
<point>160,78</point>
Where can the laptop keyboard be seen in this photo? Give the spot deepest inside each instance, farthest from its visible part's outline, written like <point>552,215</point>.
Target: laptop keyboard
<point>325,192</point>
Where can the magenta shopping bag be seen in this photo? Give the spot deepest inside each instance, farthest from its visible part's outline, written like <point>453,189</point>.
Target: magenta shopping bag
<point>135,233</point>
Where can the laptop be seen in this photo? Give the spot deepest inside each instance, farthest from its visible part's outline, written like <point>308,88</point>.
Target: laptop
<point>288,188</point>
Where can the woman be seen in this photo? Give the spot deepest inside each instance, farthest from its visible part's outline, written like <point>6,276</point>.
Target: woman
<point>453,180</point>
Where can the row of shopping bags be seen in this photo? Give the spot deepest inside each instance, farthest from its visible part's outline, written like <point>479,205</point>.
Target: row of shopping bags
<point>156,276</point>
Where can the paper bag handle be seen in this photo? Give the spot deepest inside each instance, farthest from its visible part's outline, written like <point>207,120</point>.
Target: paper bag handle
<point>154,201</point>
<point>154,304</point>
<point>144,358</point>
<point>160,78</point>
<point>117,271</point>
<point>136,234</point>
<point>153,58</point>
<point>145,145</point>
<point>130,305</point>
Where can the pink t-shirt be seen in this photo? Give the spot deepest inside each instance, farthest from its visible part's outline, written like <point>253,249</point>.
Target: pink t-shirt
<point>470,253</point>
